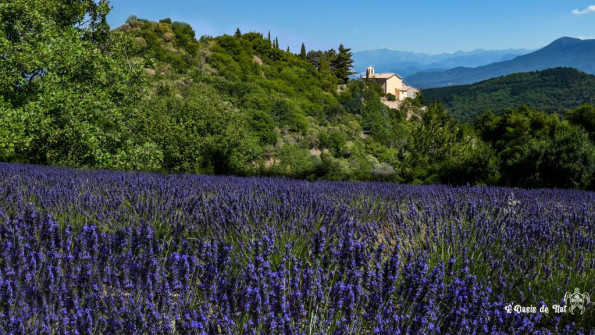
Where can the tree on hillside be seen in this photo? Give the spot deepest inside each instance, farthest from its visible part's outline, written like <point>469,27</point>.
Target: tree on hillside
<point>330,56</point>
<point>329,81</point>
<point>583,116</point>
<point>303,51</point>
<point>183,28</point>
<point>374,117</point>
<point>131,18</point>
<point>314,56</point>
<point>238,33</point>
<point>343,63</point>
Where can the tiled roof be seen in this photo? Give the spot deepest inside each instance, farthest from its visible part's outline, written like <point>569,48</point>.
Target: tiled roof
<point>407,87</point>
<point>383,75</point>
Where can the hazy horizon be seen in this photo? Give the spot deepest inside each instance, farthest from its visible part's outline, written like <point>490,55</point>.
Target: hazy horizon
<point>431,27</point>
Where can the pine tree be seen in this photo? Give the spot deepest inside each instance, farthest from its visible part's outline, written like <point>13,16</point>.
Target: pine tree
<point>303,52</point>
<point>238,33</point>
<point>288,49</point>
<point>343,63</point>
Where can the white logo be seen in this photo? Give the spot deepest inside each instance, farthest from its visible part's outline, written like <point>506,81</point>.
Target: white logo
<point>577,300</point>
<point>508,309</point>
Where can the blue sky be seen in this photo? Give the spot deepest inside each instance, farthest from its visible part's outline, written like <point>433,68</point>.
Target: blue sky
<point>430,26</point>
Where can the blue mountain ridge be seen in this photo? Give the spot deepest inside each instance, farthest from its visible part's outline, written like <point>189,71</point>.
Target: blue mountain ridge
<point>563,52</point>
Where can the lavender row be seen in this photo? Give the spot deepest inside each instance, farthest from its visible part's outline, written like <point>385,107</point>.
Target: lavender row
<point>97,252</point>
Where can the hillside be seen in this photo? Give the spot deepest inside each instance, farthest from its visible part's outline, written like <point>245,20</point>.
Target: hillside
<point>564,52</point>
<point>266,100</point>
<point>552,91</point>
<point>156,97</point>
<point>407,63</point>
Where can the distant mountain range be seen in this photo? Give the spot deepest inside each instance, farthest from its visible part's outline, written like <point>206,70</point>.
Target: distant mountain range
<point>564,52</point>
<point>407,63</point>
<point>553,91</point>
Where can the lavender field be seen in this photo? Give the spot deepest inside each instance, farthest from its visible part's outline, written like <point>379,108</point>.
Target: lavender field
<point>96,252</point>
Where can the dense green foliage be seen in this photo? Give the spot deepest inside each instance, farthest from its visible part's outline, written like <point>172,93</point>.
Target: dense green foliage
<point>537,150</point>
<point>67,87</point>
<point>583,116</point>
<point>151,96</point>
<point>553,91</point>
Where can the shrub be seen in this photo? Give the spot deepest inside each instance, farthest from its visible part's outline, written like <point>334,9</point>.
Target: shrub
<point>383,171</point>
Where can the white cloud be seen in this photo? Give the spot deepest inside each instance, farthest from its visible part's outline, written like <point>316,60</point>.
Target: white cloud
<point>588,10</point>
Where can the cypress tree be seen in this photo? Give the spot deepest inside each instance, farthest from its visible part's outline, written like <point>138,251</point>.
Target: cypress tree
<point>276,42</point>
<point>303,52</point>
<point>238,33</point>
<point>288,49</point>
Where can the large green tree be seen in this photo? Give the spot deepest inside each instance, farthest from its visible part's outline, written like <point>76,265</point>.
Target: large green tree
<point>343,63</point>
<point>67,84</point>
<point>34,34</point>
<point>583,116</point>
